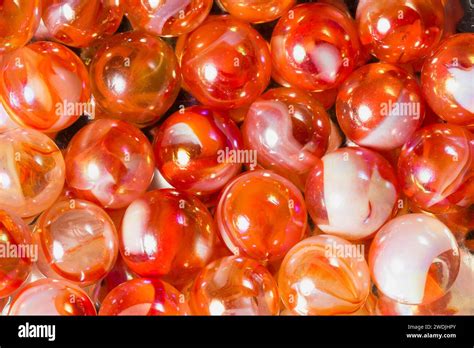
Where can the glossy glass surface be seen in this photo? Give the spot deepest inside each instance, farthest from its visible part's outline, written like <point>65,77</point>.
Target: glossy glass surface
<point>19,20</point>
<point>32,81</point>
<point>16,253</point>
<point>225,63</point>
<point>52,297</point>
<point>234,286</point>
<point>198,150</point>
<point>315,46</point>
<point>144,297</point>
<point>400,31</point>
<point>414,259</point>
<point>169,234</point>
<point>289,130</point>
<point>109,162</point>
<point>380,106</point>
<point>32,172</point>
<point>323,275</point>
<point>448,80</point>
<point>77,241</point>
<point>79,22</point>
<point>436,168</point>
<point>167,17</point>
<point>135,77</point>
<point>351,192</point>
<point>261,215</point>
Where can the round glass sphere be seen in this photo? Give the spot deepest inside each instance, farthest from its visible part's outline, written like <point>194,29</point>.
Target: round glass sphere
<point>77,241</point>
<point>234,286</point>
<point>52,297</point>
<point>261,215</point>
<point>144,297</point>
<point>324,275</point>
<point>414,259</point>
<point>32,172</point>
<point>109,162</point>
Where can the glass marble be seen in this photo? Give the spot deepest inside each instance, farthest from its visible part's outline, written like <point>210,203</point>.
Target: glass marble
<point>79,22</point>
<point>456,301</point>
<point>197,150</point>
<point>380,106</point>
<point>77,241</point>
<point>167,17</point>
<point>315,46</point>
<point>351,192</point>
<point>32,81</point>
<point>234,286</point>
<point>261,215</point>
<point>441,306</point>
<point>225,63</point>
<point>256,11</point>
<point>448,80</point>
<point>436,168</point>
<point>167,234</point>
<point>52,297</point>
<point>289,130</point>
<point>19,20</point>
<point>109,162</point>
<point>135,77</point>
<point>414,259</point>
<point>15,251</point>
<point>400,31</point>
<point>32,172</point>
<point>144,297</point>
<point>323,275</point>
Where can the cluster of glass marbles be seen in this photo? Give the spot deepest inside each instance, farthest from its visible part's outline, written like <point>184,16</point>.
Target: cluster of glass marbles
<point>236,157</point>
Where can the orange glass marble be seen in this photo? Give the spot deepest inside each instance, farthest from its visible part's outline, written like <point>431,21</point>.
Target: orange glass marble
<point>414,259</point>
<point>197,148</point>
<point>109,162</point>
<point>52,297</point>
<point>79,22</point>
<point>315,46</point>
<point>351,192</point>
<point>324,275</point>
<point>380,106</point>
<point>16,253</point>
<point>400,31</point>
<point>455,301</point>
<point>77,241</point>
<point>289,130</point>
<point>19,20</point>
<point>135,77</point>
<point>32,84</point>
<point>436,168</point>
<point>167,17</point>
<point>447,80</point>
<point>256,11</point>
<point>261,215</point>
<point>234,286</point>
<point>167,234</point>
<point>225,63</point>
<point>144,297</point>
<point>32,172</point>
